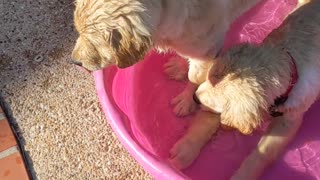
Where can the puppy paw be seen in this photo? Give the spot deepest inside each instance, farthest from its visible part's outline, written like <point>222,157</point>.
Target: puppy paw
<point>176,68</point>
<point>183,153</point>
<point>183,104</point>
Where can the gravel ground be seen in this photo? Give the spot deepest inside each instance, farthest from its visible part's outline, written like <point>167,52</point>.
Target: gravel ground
<point>52,106</point>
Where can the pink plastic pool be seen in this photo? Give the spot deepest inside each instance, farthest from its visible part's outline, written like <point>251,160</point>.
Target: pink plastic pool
<point>136,103</point>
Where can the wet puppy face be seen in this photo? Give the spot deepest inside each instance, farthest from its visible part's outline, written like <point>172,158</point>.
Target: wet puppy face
<point>110,32</point>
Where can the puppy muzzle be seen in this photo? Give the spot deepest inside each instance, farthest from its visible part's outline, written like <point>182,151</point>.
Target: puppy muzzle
<point>80,67</point>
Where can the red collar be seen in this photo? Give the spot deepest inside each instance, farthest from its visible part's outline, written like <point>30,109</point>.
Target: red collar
<point>294,74</point>
<point>294,78</point>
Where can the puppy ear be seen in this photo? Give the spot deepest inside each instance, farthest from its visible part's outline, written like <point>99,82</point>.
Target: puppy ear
<point>131,49</point>
<point>245,108</point>
<point>240,117</point>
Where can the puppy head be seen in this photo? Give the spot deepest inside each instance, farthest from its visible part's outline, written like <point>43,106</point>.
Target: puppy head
<point>233,91</point>
<point>111,32</point>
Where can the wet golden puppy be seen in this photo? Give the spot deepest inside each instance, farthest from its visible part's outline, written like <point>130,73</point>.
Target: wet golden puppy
<point>244,82</point>
<point>248,82</point>
<point>278,78</point>
<point>121,32</point>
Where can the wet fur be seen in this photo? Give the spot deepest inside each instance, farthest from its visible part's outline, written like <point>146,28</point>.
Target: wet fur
<point>244,82</point>
<point>110,32</point>
<point>122,32</point>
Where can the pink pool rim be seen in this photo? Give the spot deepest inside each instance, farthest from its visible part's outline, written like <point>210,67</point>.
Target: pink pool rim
<point>136,102</point>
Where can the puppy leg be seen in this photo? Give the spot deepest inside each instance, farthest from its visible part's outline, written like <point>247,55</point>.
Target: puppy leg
<point>197,74</point>
<point>177,68</point>
<point>187,149</point>
<point>271,145</point>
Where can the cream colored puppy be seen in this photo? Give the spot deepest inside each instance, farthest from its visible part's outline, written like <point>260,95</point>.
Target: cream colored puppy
<point>121,32</point>
<point>247,83</point>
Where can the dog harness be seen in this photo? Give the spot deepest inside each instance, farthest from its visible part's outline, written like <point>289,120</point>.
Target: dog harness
<point>283,98</point>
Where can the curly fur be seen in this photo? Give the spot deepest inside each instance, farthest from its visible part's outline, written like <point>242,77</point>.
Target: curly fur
<point>248,78</point>
<point>241,85</point>
<point>111,33</point>
<point>122,32</point>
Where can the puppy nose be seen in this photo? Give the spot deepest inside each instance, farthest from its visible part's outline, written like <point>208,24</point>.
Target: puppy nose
<point>79,66</point>
<point>76,63</point>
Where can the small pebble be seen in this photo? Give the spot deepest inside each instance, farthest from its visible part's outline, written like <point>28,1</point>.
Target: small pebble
<point>38,58</point>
